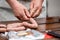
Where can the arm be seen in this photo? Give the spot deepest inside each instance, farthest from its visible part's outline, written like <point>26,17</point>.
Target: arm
<point>13,3</point>
<point>19,10</point>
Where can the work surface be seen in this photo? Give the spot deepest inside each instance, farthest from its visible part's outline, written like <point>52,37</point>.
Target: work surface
<point>49,24</point>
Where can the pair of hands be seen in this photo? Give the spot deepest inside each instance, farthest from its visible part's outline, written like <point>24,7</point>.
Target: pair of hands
<point>19,26</point>
<point>22,12</point>
<point>35,10</point>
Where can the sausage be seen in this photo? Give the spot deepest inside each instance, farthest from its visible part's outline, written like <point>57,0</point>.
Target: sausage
<point>33,23</point>
<point>3,28</point>
<point>15,27</point>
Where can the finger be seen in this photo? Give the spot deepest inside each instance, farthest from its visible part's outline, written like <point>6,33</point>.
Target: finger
<point>31,5</point>
<point>16,29</point>
<point>37,12</point>
<point>2,29</point>
<point>27,13</point>
<point>24,16</point>
<point>2,26</point>
<point>33,11</point>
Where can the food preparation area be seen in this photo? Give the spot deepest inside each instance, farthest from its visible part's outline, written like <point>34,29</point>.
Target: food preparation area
<point>49,24</point>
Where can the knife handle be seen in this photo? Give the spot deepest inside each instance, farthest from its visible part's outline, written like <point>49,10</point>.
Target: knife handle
<point>54,34</point>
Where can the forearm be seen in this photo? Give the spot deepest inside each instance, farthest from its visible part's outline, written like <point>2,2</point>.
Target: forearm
<point>13,3</point>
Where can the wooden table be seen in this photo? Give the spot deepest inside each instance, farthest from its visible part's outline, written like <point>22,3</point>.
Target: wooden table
<point>44,24</point>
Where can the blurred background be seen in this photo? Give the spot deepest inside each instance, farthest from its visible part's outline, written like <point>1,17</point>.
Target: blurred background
<point>53,7</point>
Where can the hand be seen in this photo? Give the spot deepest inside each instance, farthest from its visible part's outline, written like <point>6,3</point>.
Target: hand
<point>19,10</point>
<point>15,27</point>
<point>32,24</point>
<point>2,28</point>
<point>35,7</point>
